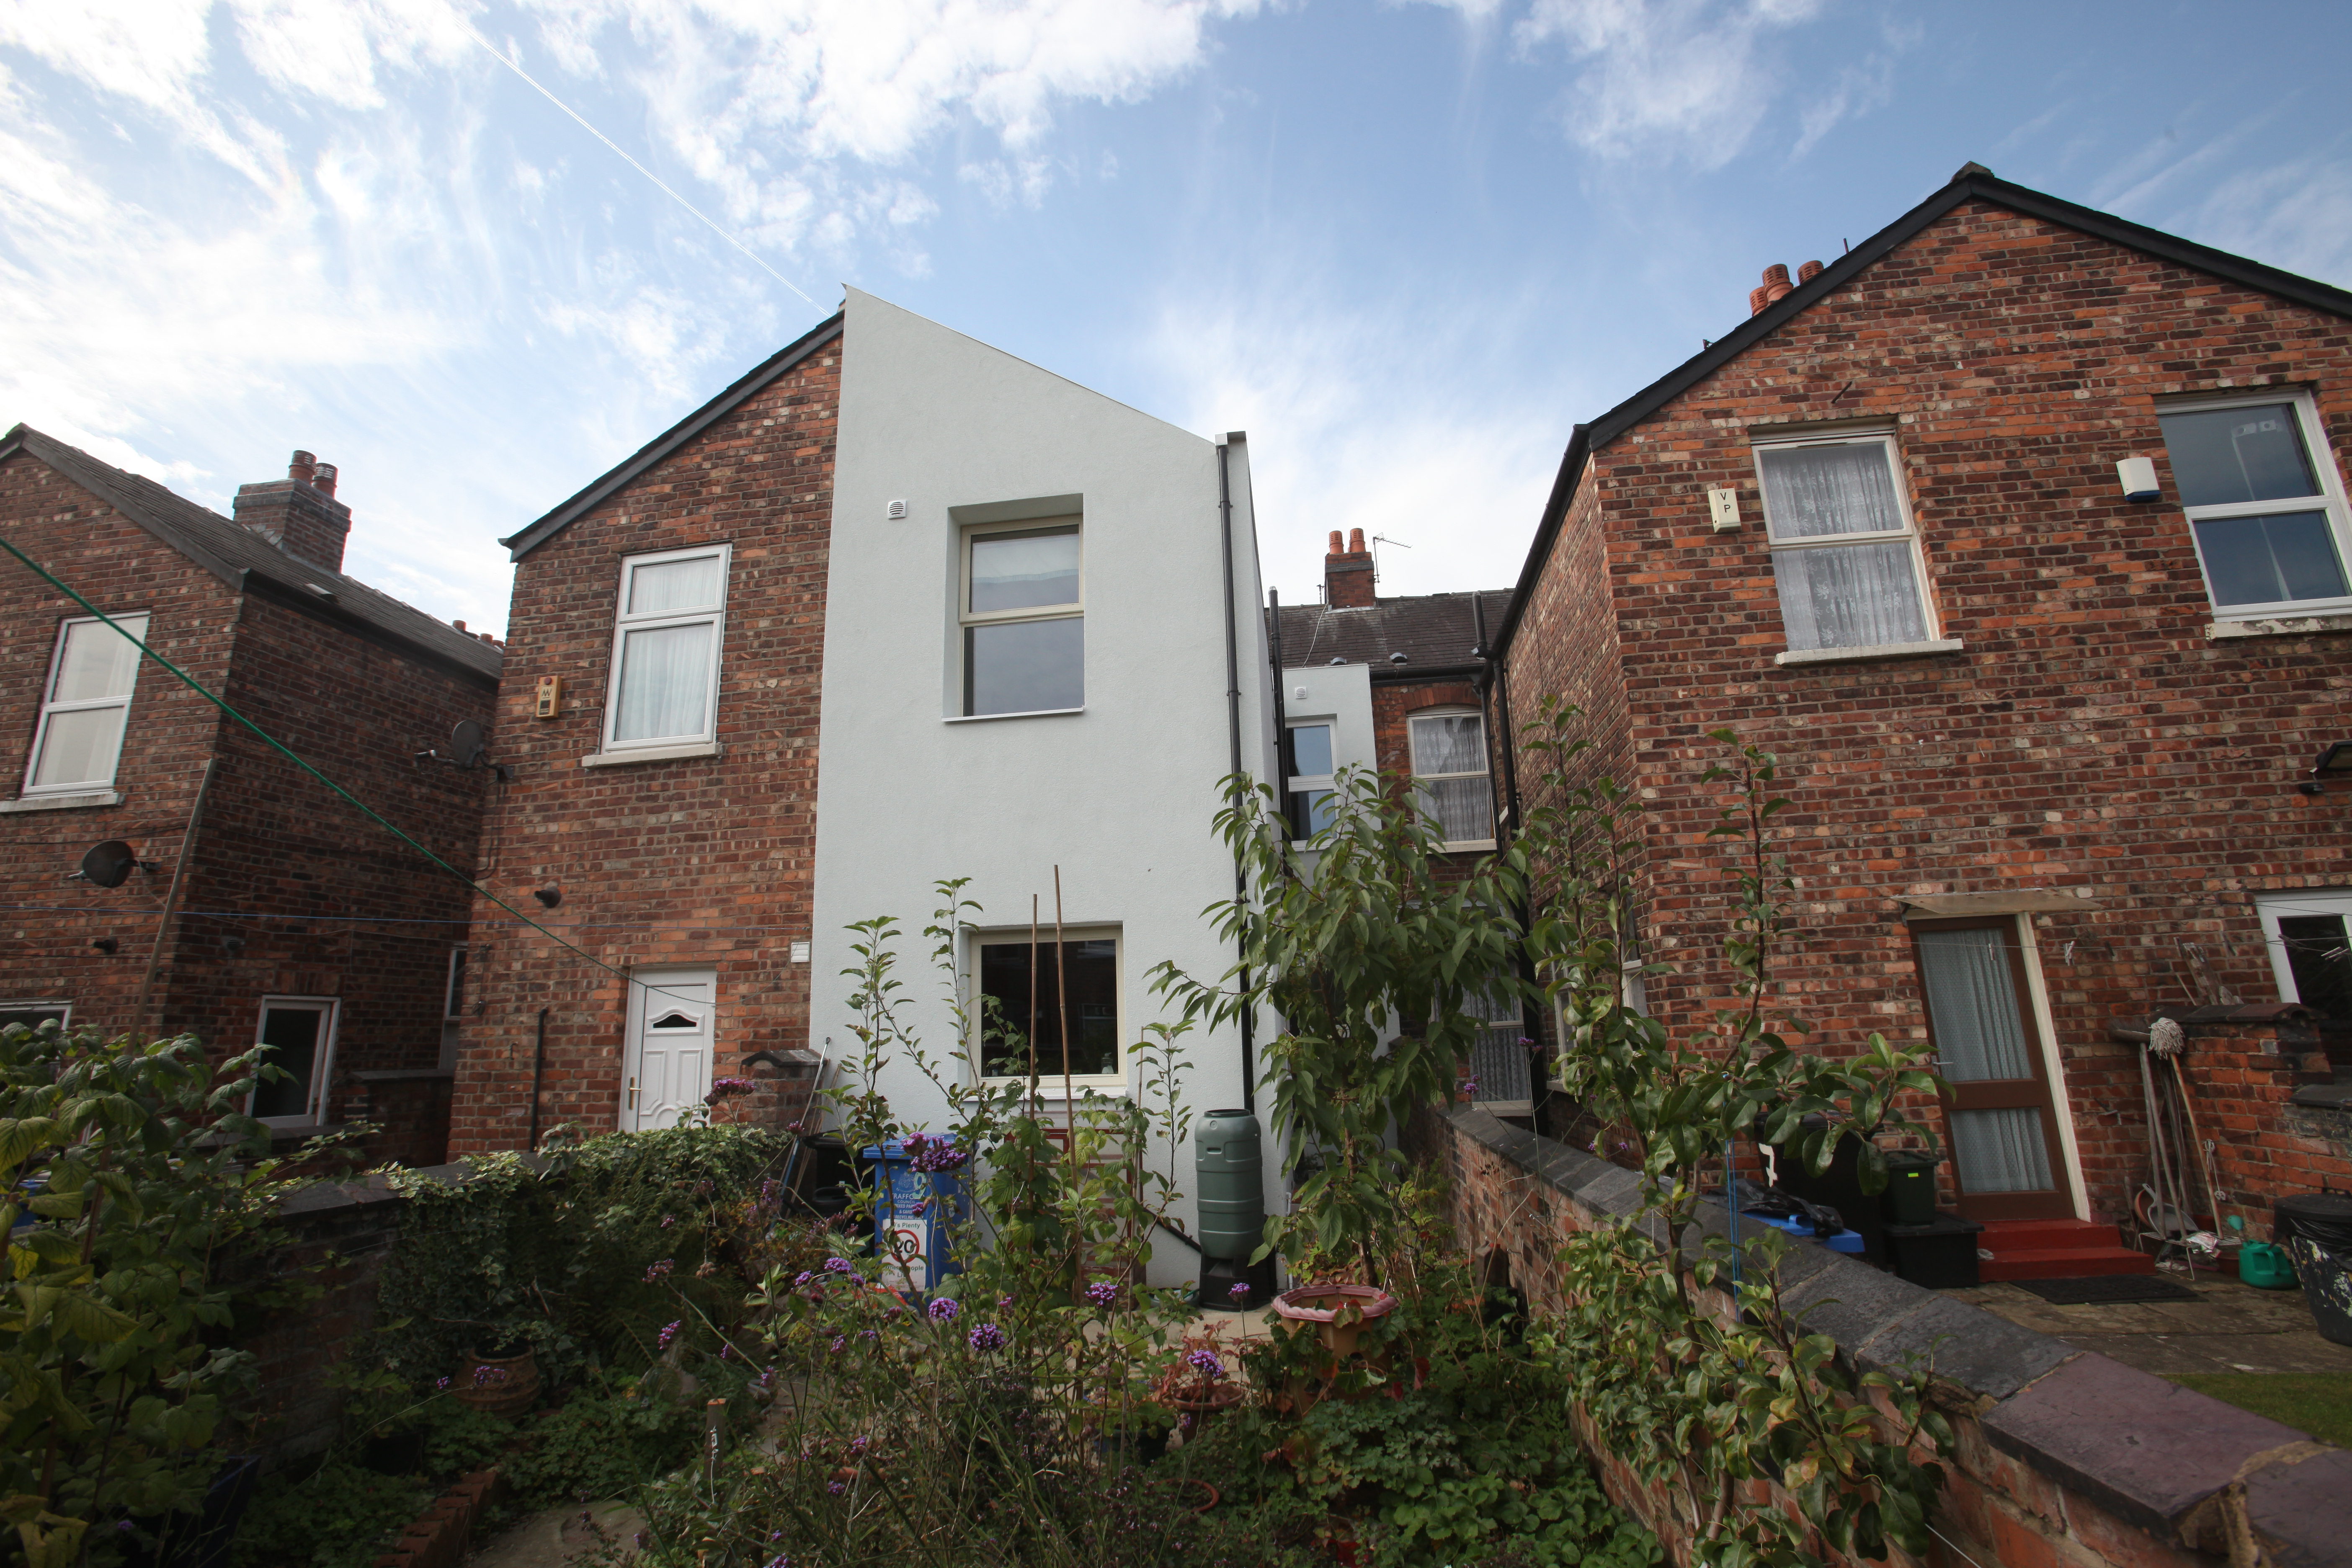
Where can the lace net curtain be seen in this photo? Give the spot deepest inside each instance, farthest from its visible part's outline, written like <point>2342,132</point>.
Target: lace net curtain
<point>1444,743</point>
<point>1980,1037</point>
<point>1849,596</point>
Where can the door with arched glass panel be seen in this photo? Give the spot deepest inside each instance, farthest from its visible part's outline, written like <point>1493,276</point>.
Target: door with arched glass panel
<point>672,1020</point>
<point>2001,1140</point>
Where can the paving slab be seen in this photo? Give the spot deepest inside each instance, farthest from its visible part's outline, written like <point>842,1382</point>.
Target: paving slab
<point>560,1537</point>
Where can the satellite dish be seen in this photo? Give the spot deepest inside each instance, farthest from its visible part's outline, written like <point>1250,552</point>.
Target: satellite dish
<point>109,864</point>
<point>466,743</point>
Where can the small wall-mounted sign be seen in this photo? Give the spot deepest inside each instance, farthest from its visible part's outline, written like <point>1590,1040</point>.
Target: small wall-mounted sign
<point>1723,510</point>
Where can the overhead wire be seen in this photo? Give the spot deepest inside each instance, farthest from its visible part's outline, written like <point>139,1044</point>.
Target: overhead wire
<point>298,761</point>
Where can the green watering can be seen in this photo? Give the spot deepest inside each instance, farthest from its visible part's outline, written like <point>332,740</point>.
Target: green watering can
<point>2262,1265</point>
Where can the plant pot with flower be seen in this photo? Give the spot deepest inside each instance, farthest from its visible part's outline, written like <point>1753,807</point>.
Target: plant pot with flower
<point>1195,1386</point>
<point>1338,1313</point>
<point>502,1381</point>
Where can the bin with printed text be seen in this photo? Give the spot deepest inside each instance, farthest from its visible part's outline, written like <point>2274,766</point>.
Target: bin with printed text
<point>918,1198</point>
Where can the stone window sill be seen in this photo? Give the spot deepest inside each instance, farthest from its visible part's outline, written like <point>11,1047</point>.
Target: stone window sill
<point>2299,625</point>
<point>650,754</point>
<point>1867,655</point>
<point>1030,713</point>
<point>63,802</point>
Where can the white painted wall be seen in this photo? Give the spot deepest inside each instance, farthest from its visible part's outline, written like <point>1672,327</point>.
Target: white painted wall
<point>1120,795</point>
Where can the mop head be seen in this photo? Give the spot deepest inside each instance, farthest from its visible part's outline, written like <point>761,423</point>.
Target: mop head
<point>2166,1037</point>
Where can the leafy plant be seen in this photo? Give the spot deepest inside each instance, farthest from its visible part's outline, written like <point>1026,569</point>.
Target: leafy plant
<point>1371,947</point>
<point>140,1178</point>
<point>1704,1402</point>
<point>341,1515</point>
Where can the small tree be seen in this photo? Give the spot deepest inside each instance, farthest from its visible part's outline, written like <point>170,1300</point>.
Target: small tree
<point>142,1176</point>
<point>1368,947</point>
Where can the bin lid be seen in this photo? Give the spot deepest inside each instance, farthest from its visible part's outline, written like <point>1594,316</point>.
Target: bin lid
<point>2315,1206</point>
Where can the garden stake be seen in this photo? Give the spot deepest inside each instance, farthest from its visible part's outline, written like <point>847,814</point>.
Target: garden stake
<point>714,1426</point>
<point>1062,984</point>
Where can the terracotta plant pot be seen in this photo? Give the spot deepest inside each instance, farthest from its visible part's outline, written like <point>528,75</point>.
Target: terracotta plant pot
<point>1338,1313</point>
<point>504,1386</point>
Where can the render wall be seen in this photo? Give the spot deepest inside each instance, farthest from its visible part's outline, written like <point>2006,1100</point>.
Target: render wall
<point>2098,732</point>
<point>1120,797</point>
<point>687,861</point>
<point>44,938</point>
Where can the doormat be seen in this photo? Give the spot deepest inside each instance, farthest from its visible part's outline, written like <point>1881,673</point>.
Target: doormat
<point>2104,1288</point>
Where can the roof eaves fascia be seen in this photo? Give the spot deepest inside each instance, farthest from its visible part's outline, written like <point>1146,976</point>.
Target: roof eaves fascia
<point>604,486</point>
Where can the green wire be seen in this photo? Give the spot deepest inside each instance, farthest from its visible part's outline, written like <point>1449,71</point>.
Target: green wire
<point>371,814</point>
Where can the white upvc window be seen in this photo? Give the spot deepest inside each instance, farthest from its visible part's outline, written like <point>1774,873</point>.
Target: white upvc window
<point>1450,778</point>
<point>1020,996</point>
<point>1845,553</point>
<point>1023,612</point>
<point>2309,935</point>
<point>668,626</point>
<point>2265,504</point>
<point>299,1032</point>
<point>1310,786</point>
<point>84,705</point>
<point>34,1013</point>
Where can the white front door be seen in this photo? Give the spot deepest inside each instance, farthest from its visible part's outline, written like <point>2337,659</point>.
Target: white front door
<point>672,1020</point>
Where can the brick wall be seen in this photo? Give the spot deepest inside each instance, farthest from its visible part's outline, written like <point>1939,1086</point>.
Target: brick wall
<point>2242,1076</point>
<point>690,862</point>
<point>45,934</point>
<point>2061,1459</point>
<point>2090,735</point>
<point>304,868</point>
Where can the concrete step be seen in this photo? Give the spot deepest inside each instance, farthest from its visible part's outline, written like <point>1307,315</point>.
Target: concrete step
<point>2064,1263</point>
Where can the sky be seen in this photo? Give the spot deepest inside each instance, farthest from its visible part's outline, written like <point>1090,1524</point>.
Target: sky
<point>475,252</point>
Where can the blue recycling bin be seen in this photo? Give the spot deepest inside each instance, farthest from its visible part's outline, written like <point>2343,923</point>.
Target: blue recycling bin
<point>913,1211</point>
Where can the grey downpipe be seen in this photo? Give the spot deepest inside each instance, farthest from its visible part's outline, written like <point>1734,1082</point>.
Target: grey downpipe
<point>538,1067</point>
<point>1233,724</point>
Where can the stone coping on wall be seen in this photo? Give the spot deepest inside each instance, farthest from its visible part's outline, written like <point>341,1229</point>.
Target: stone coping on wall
<point>2147,1450</point>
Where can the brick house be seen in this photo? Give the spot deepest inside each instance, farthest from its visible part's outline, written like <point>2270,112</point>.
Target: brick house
<point>2019,533</point>
<point>262,906</point>
<point>1399,685</point>
<point>896,606</point>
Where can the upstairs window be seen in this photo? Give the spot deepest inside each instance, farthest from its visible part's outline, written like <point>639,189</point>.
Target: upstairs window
<point>1844,554</point>
<point>84,705</point>
<point>1025,647</point>
<point>1310,778</point>
<point>1449,778</point>
<point>667,631</point>
<point>2263,501</point>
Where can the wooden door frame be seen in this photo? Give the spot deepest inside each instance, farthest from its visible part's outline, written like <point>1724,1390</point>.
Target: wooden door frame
<point>2058,1201</point>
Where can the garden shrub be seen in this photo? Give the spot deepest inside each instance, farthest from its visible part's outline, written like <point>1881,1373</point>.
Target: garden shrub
<point>341,1515</point>
<point>602,1442</point>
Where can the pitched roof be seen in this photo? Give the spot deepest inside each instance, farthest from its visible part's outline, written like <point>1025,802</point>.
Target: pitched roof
<point>607,485</point>
<point>235,555</point>
<point>1974,182</point>
<point>1433,631</point>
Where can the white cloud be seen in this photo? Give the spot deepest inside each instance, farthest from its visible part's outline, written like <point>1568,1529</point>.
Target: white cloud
<point>2296,216</point>
<point>1681,79</point>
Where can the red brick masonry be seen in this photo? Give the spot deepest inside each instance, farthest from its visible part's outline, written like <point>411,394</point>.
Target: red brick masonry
<point>2062,1459</point>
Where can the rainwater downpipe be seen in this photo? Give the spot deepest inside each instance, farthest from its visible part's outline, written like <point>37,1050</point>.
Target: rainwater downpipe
<point>1233,725</point>
<point>538,1065</point>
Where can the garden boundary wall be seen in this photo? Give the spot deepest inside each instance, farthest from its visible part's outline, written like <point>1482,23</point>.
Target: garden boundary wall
<point>2061,1458</point>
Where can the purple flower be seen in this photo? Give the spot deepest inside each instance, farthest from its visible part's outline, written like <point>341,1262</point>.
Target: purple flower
<point>927,1154</point>
<point>804,1278</point>
<point>778,1561</point>
<point>987,1337</point>
<point>920,1207</point>
<point>859,1445</point>
<point>488,1376</point>
<point>1468,1086</point>
<point>1003,1301</point>
<point>944,1310</point>
<point>669,1333</point>
<point>668,1220</point>
<point>1206,1362</point>
<point>726,1087</point>
<point>1240,1292</point>
<point>768,1378</point>
<point>1103,1293</point>
<point>839,1266</point>
<point>835,1487</point>
<point>441,1382</point>
<point>871,1334</point>
<point>839,1344</point>
<point>726,1350</point>
<point>660,1269</point>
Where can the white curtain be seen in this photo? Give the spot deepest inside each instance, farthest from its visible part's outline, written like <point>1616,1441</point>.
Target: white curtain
<point>1022,571</point>
<point>2001,1152</point>
<point>1972,1004</point>
<point>1462,808</point>
<point>1850,596</point>
<point>78,746</point>
<point>1449,743</point>
<point>97,662</point>
<point>666,587</point>
<point>1811,491</point>
<point>665,683</point>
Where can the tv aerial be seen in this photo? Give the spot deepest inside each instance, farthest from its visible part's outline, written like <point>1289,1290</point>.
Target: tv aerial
<point>468,751</point>
<point>109,864</point>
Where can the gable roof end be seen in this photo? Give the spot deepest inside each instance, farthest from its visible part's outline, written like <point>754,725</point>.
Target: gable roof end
<point>1974,182</point>
<point>609,484</point>
<point>244,559</point>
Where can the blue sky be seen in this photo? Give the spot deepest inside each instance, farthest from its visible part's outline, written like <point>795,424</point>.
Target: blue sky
<point>1405,246</point>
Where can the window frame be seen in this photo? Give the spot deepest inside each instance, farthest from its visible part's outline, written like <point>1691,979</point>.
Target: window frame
<point>1301,829</point>
<point>2331,498</point>
<point>50,707</point>
<point>2291,902</point>
<point>1049,1085</point>
<point>967,617</point>
<point>322,1071</point>
<point>63,1008</point>
<point>1886,439</point>
<point>624,623</point>
<point>1486,755</point>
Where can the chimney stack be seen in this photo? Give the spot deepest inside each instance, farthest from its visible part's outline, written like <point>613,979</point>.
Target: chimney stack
<point>299,514</point>
<point>1347,574</point>
<point>1776,286</point>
